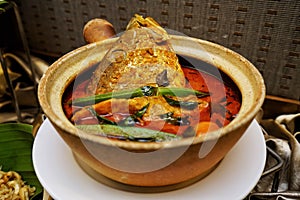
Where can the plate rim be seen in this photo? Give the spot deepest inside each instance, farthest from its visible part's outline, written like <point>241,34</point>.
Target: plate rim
<point>46,124</point>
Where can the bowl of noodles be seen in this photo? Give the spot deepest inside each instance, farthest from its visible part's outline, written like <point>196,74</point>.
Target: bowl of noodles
<point>148,109</point>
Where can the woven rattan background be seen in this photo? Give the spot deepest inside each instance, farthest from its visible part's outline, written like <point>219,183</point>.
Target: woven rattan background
<point>267,32</point>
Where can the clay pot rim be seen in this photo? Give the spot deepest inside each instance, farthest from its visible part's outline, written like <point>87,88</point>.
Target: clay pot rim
<point>240,121</point>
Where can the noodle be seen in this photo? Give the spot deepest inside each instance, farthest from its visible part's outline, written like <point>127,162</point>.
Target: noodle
<point>12,187</point>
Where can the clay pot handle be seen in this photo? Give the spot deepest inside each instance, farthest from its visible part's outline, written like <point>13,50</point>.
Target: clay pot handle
<point>97,30</point>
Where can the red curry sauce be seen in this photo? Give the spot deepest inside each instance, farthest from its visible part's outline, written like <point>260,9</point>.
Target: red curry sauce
<point>224,101</point>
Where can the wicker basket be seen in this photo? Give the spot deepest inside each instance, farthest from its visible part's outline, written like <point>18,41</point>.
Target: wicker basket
<point>265,32</point>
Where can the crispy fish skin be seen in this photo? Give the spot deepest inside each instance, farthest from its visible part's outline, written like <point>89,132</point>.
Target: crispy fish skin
<point>141,53</point>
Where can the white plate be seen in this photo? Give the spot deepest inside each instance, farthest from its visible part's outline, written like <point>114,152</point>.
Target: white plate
<point>62,177</point>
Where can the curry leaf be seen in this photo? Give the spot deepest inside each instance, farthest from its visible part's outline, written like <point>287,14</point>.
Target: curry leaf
<point>190,105</point>
<point>102,120</point>
<point>130,121</point>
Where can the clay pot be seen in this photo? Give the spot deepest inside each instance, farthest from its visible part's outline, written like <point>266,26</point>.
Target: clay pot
<point>152,164</point>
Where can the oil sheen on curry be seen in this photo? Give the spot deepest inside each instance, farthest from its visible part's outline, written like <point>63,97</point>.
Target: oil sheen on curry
<point>143,91</point>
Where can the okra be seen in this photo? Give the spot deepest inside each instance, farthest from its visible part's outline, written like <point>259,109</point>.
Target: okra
<point>128,133</point>
<point>139,92</point>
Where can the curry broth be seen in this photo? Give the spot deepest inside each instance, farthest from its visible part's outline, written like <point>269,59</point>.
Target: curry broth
<point>224,98</point>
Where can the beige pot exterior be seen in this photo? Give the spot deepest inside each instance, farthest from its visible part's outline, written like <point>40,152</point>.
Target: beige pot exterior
<point>155,164</point>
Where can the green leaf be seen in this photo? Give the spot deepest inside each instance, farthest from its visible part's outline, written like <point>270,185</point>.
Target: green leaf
<point>3,4</point>
<point>180,92</point>
<point>131,120</point>
<point>16,143</point>
<point>100,118</point>
<point>190,105</point>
